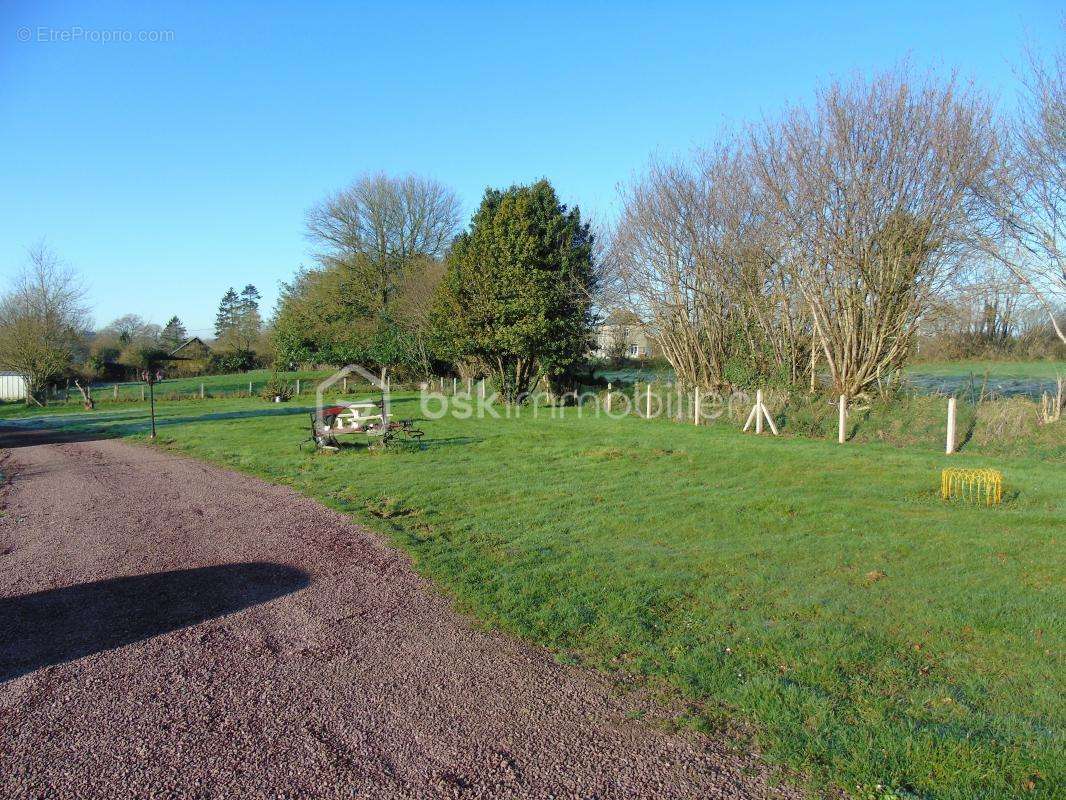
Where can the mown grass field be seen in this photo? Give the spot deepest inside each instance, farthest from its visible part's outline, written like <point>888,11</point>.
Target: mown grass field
<point>996,369</point>
<point>219,385</point>
<point>821,597</point>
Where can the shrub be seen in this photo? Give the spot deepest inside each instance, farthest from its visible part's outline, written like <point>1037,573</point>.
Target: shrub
<point>232,361</point>
<point>277,386</point>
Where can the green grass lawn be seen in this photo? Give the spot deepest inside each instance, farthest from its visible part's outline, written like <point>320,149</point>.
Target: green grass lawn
<point>821,597</point>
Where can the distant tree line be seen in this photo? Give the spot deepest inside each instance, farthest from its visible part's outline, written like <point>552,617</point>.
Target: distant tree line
<point>836,240</point>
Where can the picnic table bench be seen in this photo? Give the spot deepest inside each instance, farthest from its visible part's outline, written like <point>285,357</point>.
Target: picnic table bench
<point>366,418</point>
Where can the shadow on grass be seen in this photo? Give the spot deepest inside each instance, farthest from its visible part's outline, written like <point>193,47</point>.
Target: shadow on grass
<point>90,426</point>
<point>60,625</point>
<point>43,430</point>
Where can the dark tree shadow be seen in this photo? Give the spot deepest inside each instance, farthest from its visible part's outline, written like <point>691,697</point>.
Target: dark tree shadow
<point>13,437</point>
<point>60,625</point>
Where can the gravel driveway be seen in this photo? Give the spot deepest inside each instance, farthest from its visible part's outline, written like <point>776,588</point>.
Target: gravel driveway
<point>171,629</point>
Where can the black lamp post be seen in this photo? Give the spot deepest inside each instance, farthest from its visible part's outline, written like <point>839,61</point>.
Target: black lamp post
<point>151,375</point>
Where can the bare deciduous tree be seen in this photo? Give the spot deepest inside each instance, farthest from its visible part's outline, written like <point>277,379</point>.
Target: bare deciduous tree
<point>380,225</point>
<point>42,321</point>
<point>659,253</point>
<point>699,261</point>
<point>874,189</point>
<point>1028,198</point>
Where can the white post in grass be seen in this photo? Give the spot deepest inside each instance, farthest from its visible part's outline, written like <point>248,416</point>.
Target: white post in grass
<point>696,407</point>
<point>455,386</point>
<point>142,393</point>
<point>201,391</point>
<point>469,387</point>
<point>647,402</point>
<point>759,413</point>
<point>115,388</point>
<point>842,415</point>
<point>950,448</point>
<point>769,419</point>
<point>297,386</point>
<point>608,397</point>
<point>442,384</point>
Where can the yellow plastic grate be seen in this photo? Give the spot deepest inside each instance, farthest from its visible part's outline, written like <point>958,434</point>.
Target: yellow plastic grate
<point>975,485</point>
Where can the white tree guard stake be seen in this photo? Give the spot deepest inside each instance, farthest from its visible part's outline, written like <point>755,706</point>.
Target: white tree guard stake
<point>758,413</point>
<point>249,387</point>
<point>696,407</point>
<point>115,387</point>
<point>950,447</point>
<point>442,384</point>
<point>469,387</point>
<point>608,403</point>
<point>842,417</point>
<point>201,391</point>
<point>455,386</point>
<point>647,402</point>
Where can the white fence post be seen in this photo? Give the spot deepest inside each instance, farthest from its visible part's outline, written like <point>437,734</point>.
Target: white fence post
<point>758,411</point>
<point>201,391</point>
<point>608,397</point>
<point>950,447</point>
<point>696,408</point>
<point>297,386</point>
<point>115,387</point>
<point>647,402</point>
<point>455,386</point>
<point>842,423</point>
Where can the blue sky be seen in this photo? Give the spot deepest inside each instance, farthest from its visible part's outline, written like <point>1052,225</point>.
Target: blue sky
<point>166,171</point>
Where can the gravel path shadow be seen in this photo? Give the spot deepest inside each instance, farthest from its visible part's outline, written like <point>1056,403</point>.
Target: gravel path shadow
<point>171,629</point>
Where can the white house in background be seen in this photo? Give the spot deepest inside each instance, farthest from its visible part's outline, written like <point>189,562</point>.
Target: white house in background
<point>622,333</point>
<point>12,386</point>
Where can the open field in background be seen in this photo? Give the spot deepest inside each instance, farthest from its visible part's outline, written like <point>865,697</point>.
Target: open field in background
<point>822,596</point>
<point>230,384</point>
<point>1003,378</point>
<point>995,369</point>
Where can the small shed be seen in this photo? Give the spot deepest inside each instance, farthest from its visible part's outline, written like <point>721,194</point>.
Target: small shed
<point>12,386</point>
<point>192,357</point>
